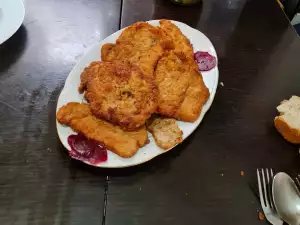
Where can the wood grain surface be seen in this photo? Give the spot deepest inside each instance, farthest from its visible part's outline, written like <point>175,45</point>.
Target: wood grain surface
<point>200,182</point>
<point>39,185</point>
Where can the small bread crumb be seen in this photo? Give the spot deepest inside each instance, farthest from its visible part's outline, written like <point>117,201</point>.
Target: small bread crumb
<point>261,215</point>
<point>222,84</point>
<point>242,173</point>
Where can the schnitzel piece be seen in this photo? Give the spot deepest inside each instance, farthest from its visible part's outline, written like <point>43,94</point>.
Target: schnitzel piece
<point>145,35</point>
<point>195,97</point>
<point>165,131</point>
<point>119,93</point>
<point>197,93</point>
<point>80,118</point>
<point>181,42</point>
<point>172,76</point>
<point>140,44</point>
<point>89,72</point>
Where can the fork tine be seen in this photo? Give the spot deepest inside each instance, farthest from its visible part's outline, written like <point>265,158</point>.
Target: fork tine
<point>260,189</point>
<point>265,189</point>
<point>268,178</point>
<point>264,179</point>
<point>297,178</point>
<point>272,175</point>
<point>298,182</point>
<point>271,183</point>
<point>269,188</point>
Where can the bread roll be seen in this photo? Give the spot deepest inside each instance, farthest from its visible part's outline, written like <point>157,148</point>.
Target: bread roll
<point>288,123</point>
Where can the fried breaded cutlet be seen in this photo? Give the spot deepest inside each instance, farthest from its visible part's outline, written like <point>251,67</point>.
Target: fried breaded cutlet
<point>141,44</point>
<point>165,131</point>
<point>181,42</point>
<point>172,80</point>
<point>196,96</point>
<point>119,93</point>
<point>80,118</point>
<point>197,93</point>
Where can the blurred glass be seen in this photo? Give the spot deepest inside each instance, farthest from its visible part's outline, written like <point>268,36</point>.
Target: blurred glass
<point>185,2</point>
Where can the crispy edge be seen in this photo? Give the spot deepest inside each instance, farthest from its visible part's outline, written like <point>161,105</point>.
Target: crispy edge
<point>127,122</point>
<point>111,52</point>
<point>130,31</point>
<point>71,111</point>
<point>169,104</point>
<point>79,117</point>
<point>140,135</point>
<point>165,40</point>
<point>197,95</point>
<point>180,41</point>
<point>105,50</point>
<point>87,74</point>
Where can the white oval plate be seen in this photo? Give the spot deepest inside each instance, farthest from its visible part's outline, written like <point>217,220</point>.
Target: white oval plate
<point>70,94</point>
<point>12,14</point>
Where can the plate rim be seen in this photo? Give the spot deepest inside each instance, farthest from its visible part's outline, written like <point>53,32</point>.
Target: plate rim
<point>18,25</point>
<point>202,114</point>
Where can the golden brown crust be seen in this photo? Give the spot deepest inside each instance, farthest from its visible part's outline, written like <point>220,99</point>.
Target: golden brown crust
<point>105,50</point>
<point>196,96</point>
<point>87,74</point>
<point>72,111</point>
<point>181,42</point>
<point>141,44</point>
<point>79,117</point>
<point>290,134</point>
<point>120,94</point>
<point>197,93</point>
<point>165,131</point>
<point>172,80</point>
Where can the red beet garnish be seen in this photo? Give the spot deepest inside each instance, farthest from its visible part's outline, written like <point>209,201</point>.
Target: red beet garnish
<point>84,149</point>
<point>205,61</point>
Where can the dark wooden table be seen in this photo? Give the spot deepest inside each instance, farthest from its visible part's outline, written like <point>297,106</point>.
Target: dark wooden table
<point>199,182</point>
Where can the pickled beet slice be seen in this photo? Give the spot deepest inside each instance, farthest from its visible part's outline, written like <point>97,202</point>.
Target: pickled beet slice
<point>205,61</point>
<point>84,149</point>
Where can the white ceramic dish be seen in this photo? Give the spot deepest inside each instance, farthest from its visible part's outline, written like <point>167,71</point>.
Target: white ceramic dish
<point>12,14</point>
<point>70,94</point>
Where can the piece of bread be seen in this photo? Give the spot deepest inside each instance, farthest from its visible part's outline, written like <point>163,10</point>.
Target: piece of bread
<point>165,131</point>
<point>288,123</point>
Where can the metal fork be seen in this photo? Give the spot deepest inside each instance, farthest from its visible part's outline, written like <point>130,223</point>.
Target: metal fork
<point>297,182</point>
<point>264,179</point>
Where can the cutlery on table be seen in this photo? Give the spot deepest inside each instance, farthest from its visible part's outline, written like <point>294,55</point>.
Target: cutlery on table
<point>298,182</point>
<point>264,179</point>
<point>286,198</point>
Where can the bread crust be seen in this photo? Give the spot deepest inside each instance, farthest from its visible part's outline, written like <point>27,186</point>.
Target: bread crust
<point>165,131</point>
<point>290,134</point>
